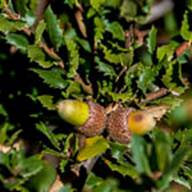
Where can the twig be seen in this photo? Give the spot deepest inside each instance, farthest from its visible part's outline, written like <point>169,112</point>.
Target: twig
<point>50,51</point>
<point>81,24</point>
<point>87,88</point>
<point>159,10</point>
<point>154,95</point>
<point>41,7</point>
<point>182,48</point>
<point>89,164</point>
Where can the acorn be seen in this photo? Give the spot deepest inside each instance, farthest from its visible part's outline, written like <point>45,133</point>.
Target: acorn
<point>123,122</point>
<point>88,117</point>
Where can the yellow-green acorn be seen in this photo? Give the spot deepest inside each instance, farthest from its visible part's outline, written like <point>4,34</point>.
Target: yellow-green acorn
<point>141,122</point>
<point>123,122</point>
<point>87,117</point>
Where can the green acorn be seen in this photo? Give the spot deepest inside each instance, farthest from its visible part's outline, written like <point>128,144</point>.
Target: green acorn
<point>123,122</point>
<point>87,117</point>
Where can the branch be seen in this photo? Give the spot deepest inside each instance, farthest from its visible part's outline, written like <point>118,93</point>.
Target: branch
<point>41,7</point>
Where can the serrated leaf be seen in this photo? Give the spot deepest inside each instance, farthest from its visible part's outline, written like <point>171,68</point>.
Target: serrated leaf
<point>138,147</point>
<point>54,30</point>
<point>106,69</point>
<point>48,133</point>
<point>37,55</point>
<point>21,6</point>
<point>52,77</point>
<point>185,32</point>
<point>94,146</point>
<point>117,150</point>
<point>116,30</point>
<point>151,40</point>
<point>169,100</point>
<point>99,30</point>
<point>146,78</point>
<point>96,4</point>
<point>128,10</point>
<point>125,169</point>
<point>125,58</point>
<point>168,78</point>
<point>74,89</point>
<point>73,54</point>
<point>47,101</point>
<point>18,40</point>
<point>39,31</point>
<point>7,25</point>
<point>167,51</point>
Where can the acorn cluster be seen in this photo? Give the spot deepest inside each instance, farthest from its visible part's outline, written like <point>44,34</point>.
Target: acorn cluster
<point>91,119</point>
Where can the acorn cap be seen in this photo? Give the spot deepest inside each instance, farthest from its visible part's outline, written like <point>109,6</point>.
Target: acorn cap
<point>117,125</point>
<point>96,121</point>
<point>87,117</point>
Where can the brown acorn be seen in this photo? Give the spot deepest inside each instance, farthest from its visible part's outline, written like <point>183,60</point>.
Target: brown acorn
<point>88,117</point>
<point>123,122</point>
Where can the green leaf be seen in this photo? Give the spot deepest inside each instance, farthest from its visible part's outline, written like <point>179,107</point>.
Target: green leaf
<point>54,30</point>
<point>74,89</point>
<point>3,111</point>
<point>99,30</point>
<point>167,51</point>
<point>106,69</point>
<point>94,146</point>
<point>125,58</point>
<point>42,181</point>
<point>48,133</point>
<point>54,77</point>
<point>168,78</point>
<point>162,149</point>
<point>47,101</point>
<point>20,41</point>
<point>179,157</point>
<point>116,30</point>
<point>117,150</point>
<point>21,6</point>
<point>36,54</point>
<point>128,10</point>
<point>185,32</point>
<point>7,25</point>
<point>176,163</point>
<point>126,169</point>
<point>138,147</point>
<point>30,166</point>
<point>39,31</point>
<point>73,54</point>
<point>146,78</point>
<point>96,4</point>
<point>4,129</point>
<point>151,40</point>
<point>97,184</point>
